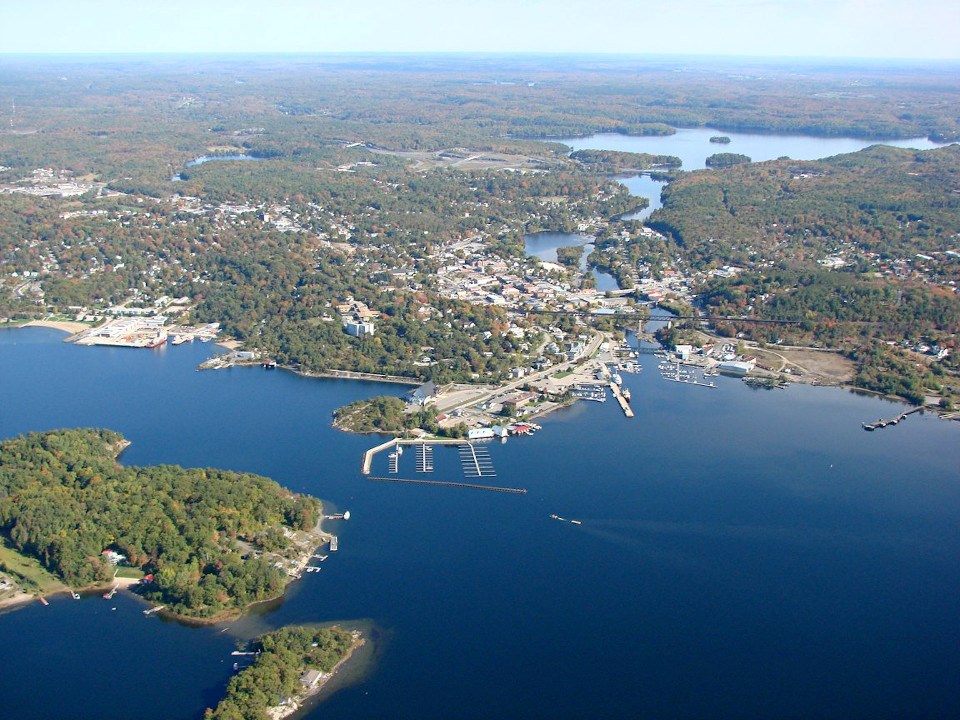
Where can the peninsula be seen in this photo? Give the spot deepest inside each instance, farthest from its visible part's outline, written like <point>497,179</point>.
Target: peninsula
<point>203,543</point>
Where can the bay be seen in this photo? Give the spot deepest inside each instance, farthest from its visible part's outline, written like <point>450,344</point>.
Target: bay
<point>743,553</point>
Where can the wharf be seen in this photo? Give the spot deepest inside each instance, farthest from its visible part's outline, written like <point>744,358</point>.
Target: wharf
<point>447,483</point>
<point>624,405</point>
<point>892,421</point>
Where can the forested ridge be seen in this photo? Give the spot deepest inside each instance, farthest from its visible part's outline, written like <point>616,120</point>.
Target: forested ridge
<point>64,499</point>
<point>882,200</point>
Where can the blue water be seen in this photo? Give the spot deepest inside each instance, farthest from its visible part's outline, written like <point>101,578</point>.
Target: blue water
<point>693,147</point>
<point>743,553</point>
<point>211,158</point>
<point>544,245</point>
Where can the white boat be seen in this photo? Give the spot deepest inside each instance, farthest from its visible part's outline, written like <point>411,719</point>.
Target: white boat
<point>617,379</point>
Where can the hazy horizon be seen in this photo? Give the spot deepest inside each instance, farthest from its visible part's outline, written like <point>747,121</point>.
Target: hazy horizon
<point>757,29</point>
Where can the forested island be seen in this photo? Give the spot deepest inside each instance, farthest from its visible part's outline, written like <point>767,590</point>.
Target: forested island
<point>612,161</point>
<point>291,664</point>
<point>206,543</point>
<point>723,160</point>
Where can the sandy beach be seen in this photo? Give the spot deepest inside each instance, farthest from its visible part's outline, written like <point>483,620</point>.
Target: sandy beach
<point>15,600</point>
<point>63,325</point>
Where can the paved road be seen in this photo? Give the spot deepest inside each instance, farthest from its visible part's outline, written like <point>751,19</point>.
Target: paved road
<point>592,346</point>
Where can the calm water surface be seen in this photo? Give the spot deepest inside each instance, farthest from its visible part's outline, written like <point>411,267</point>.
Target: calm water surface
<point>693,147</point>
<point>544,245</point>
<point>743,554</point>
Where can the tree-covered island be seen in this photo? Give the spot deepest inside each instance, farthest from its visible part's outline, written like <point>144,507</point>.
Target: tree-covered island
<point>722,160</point>
<point>617,162</point>
<point>291,664</point>
<point>208,542</point>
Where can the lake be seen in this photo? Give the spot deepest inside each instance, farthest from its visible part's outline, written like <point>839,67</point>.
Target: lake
<point>693,147</point>
<point>743,553</point>
<point>212,158</point>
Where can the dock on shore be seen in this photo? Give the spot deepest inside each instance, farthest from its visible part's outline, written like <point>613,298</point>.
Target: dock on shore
<point>881,423</point>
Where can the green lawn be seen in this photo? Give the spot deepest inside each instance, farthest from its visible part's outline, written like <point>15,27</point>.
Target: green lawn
<point>31,570</point>
<point>129,572</point>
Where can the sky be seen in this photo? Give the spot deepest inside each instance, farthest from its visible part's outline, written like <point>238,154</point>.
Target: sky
<point>922,29</point>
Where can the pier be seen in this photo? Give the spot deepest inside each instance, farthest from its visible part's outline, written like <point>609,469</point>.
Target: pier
<point>447,483</point>
<point>367,463</point>
<point>424,458</point>
<point>624,405</point>
<point>476,461</point>
<point>881,423</point>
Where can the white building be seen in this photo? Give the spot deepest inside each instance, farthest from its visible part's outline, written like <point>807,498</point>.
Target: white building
<point>359,329</point>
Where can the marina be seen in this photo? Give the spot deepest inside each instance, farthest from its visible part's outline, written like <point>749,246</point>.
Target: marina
<point>596,393</point>
<point>676,372</point>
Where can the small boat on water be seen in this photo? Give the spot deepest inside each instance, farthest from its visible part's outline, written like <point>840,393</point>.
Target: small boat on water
<point>626,394</point>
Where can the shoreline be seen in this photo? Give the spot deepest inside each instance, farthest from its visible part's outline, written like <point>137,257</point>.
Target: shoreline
<point>232,344</point>
<point>231,614</point>
<point>15,601</point>
<point>22,598</point>
<point>301,701</point>
<point>68,326</point>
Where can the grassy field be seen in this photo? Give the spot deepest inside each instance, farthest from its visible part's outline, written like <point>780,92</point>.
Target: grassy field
<point>36,577</point>
<point>129,572</point>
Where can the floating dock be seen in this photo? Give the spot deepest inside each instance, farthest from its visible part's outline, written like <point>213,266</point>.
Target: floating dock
<point>446,483</point>
<point>424,458</point>
<point>476,461</point>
